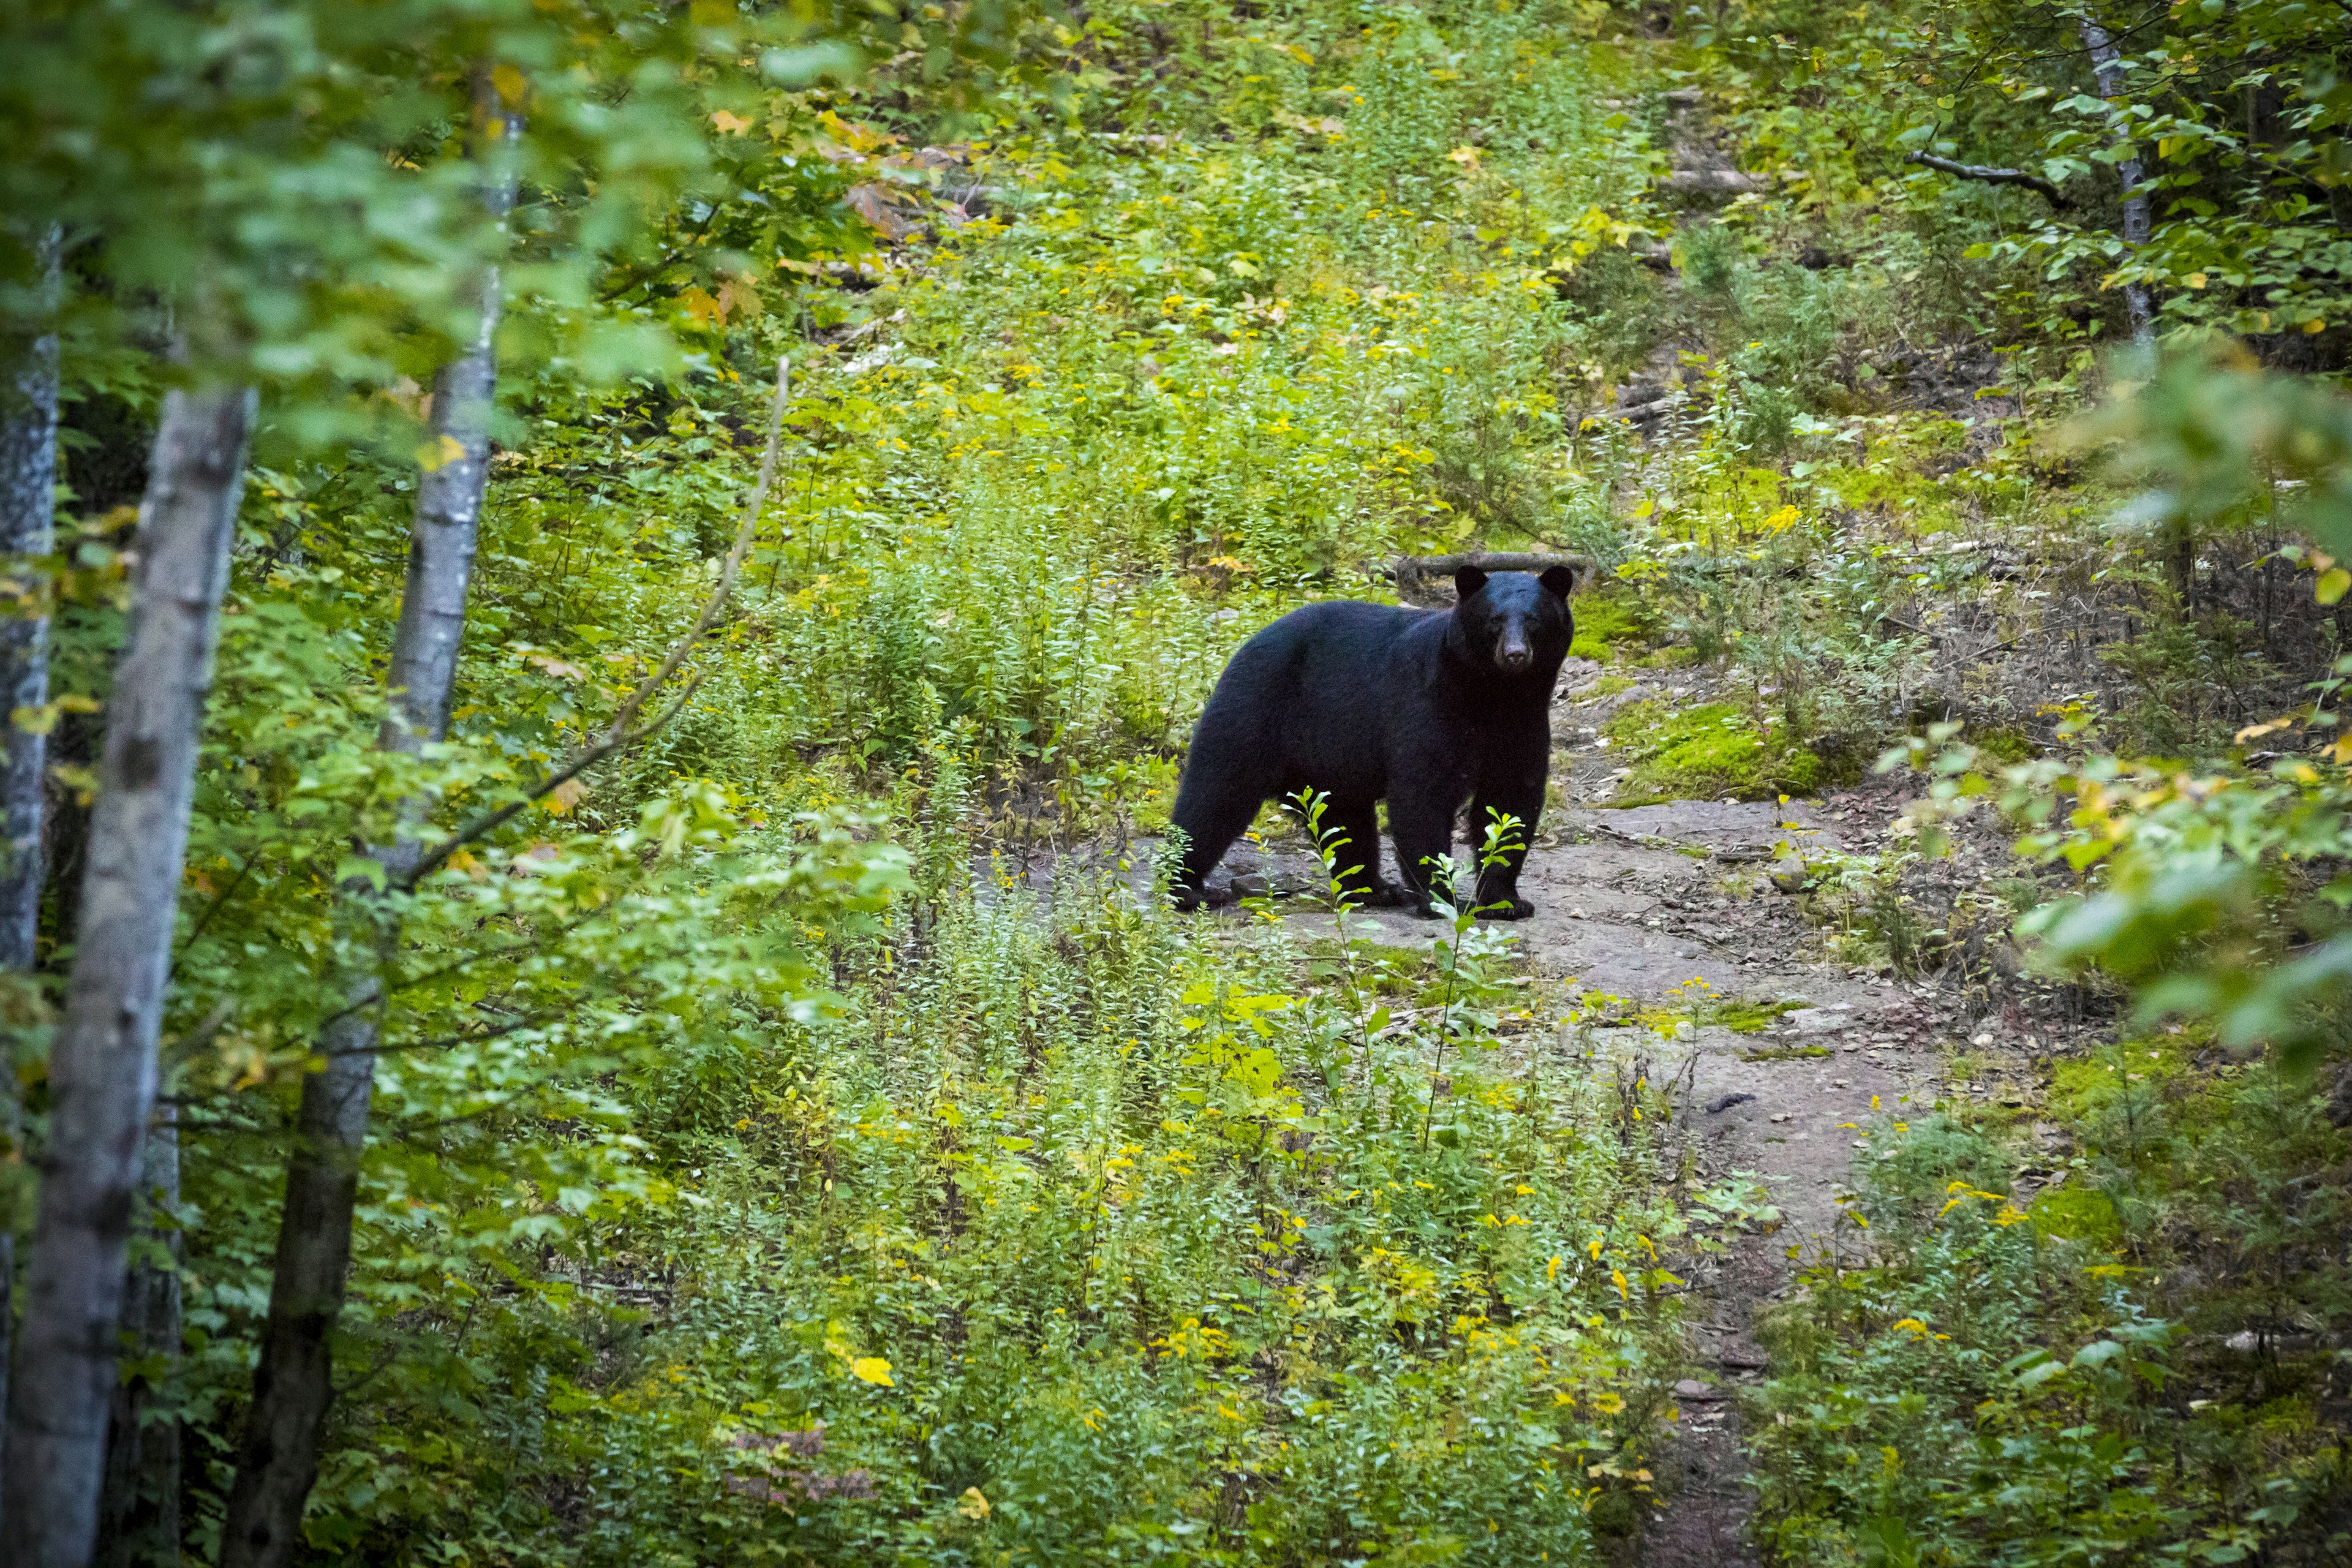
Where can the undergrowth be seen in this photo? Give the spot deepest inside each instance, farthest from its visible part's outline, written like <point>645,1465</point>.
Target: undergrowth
<point>2137,1362</point>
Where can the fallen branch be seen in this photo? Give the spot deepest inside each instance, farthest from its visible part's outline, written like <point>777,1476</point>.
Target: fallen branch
<point>624,732</point>
<point>1414,573</point>
<point>1992,176</point>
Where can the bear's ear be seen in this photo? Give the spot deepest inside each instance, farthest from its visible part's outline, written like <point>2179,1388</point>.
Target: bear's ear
<point>1468,581</point>
<point>1560,580</point>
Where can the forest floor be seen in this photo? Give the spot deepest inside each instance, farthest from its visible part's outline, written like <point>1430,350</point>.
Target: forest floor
<point>1672,905</point>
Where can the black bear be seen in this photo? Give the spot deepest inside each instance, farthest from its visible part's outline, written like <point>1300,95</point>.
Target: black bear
<point>1360,703</point>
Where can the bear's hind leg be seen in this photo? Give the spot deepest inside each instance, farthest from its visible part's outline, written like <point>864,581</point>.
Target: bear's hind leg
<point>1351,830</point>
<point>1212,812</point>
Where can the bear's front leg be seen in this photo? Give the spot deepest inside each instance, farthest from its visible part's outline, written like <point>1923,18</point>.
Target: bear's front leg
<point>1512,786</point>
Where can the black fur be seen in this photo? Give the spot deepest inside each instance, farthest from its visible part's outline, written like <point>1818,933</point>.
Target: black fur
<point>1422,708</point>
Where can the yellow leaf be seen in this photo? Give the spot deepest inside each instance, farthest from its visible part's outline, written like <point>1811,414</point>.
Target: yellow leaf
<point>1466,156</point>
<point>872,1369</point>
<point>2332,586</point>
<point>565,795</point>
<point>437,455</point>
<point>2195,280</point>
<point>974,1504</point>
<point>2342,750</point>
<point>732,124</point>
<point>738,299</point>
<point>703,307</point>
<point>512,86</point>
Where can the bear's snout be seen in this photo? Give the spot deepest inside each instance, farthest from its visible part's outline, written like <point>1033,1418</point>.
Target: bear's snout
<point>1512,654</point>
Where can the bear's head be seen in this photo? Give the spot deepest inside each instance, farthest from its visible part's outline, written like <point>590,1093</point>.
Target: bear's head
<point>1515,623</point>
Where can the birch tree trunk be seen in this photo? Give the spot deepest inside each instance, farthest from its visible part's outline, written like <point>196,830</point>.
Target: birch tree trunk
<point>102,1063</point>
<point>139,1503</point>
<point>277,1458</point>
<point>28,473</point>
<point>2107,71</point>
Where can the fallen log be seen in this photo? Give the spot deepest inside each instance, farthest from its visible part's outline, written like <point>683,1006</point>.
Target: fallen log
<point>1429,579</point>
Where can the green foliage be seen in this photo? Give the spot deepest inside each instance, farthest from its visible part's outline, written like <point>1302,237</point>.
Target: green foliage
<point>2231,114</point>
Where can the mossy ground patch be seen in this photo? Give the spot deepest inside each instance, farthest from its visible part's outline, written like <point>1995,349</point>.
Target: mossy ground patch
<point>1706,752</point>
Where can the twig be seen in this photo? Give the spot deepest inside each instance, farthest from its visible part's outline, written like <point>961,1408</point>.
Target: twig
<point>197,932</point>
<point>619,734</point>
<point>197,1038</point>
<point>1992,176</point>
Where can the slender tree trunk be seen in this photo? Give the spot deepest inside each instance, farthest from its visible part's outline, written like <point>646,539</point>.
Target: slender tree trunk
<point>2107,70</point>
<point>29,474</point>
<point>139,1506</point>
<point>102,1063</point>
<point>277,1458</point>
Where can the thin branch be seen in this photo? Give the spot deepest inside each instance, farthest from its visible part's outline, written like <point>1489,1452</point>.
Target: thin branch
<point>1992,176</point>
<point>619,734</point>
<point>410,983</point>
<point>220,900</point>
<point>442,1042</point>
<point>582,760</point>
<point>197,1038</point>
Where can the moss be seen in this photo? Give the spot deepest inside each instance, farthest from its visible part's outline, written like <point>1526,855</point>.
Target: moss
<point>2080,1085</point>
<point>2005,745</point>
<point>2076,1214</point>
<point>1752,1018</point>
<point>1606,623</point>
<point>1785,1054</point>
<point>1704,752</point>
<point>1609,686</point>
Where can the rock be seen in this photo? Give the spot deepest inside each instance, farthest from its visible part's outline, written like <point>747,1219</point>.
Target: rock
<point>1716,182</point>
<point>1817,1020</point>
<point>1727,1102</point>
<point>1637,692</point>
<point>1791,879</point>
<point>1693,1389</point>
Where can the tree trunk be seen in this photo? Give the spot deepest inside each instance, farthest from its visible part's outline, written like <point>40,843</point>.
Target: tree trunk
<point>139,1506</point>
<point>102,1063</point>
<point>277,1457</point>
<point>29,474</point>
<point>2107,70</point>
